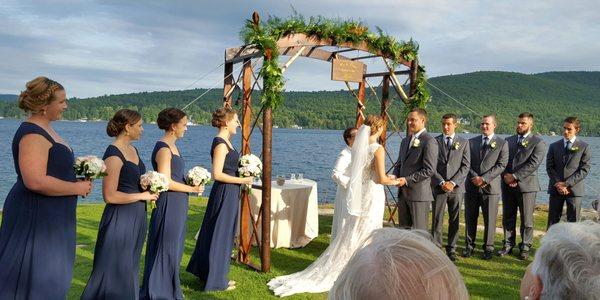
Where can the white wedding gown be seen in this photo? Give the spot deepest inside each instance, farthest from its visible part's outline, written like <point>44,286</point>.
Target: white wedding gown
<point>321,274</point>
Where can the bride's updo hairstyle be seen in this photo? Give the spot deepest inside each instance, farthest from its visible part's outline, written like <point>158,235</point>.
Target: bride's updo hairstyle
<point>38,93</point>
<point>122,117</point>
<point>375,122</point>
<point>221,116</point>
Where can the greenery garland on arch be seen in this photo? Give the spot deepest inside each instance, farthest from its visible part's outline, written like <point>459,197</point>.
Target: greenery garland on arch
<point>264,35</point>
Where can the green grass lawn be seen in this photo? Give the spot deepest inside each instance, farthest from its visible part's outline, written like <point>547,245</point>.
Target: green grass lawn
<point>498,278</point>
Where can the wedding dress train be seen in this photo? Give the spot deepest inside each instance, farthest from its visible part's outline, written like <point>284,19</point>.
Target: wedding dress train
<point>362,214</point>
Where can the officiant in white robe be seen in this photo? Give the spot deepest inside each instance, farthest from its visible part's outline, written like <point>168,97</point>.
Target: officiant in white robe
<point>341,176</point>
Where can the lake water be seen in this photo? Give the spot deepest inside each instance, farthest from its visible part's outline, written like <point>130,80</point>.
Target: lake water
<point>310,152</point>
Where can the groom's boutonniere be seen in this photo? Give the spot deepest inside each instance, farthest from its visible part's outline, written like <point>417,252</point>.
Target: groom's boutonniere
<point>493,144</point>
<point>456,145</point>
<point>416,143</point>
<point>574,149</point>
<point>525,143</point>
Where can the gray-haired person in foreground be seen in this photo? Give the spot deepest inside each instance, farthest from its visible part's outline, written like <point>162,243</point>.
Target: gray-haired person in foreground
<point>567,265</point>
<point>399,264</point>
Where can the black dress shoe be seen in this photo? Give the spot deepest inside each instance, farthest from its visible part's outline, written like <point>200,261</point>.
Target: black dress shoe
<point>524,255</point>
<point>467,252</point>
<point>505,251</point>
<point>487,254</point>
<point>452,256</point>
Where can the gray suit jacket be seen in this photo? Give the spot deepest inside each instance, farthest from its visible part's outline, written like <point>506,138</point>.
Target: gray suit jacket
<point>417,165</point>
<point>452,165</point>
<point>488,166</point>
<point>524,162</point>
<point>571,168</point>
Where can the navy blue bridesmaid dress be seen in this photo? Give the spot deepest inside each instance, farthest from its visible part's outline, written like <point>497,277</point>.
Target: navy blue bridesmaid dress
<point>120,239</point>
<point>37,235</point>
<point>166,237</point>
<point>212,255</point>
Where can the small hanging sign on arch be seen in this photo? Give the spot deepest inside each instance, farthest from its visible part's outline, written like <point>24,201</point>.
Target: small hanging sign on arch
<point>347,70</point>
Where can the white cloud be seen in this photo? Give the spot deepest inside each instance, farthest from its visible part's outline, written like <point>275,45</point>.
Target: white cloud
<point>97,48</point>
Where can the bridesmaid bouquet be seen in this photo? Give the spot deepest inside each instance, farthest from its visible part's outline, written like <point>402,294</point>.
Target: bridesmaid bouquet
<point>197,176</point>
<point>155,183</point>
<point>250,166</point>
<point>90,167</point>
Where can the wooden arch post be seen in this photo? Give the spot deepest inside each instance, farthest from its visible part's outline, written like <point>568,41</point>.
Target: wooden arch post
<point>360,106</point>
<point>245,238</point>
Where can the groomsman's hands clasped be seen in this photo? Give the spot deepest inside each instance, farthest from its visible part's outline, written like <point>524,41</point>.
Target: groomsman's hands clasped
<point>448,186</point>
<point>478,181</point>
<point>562,188</point>
<point>510,180</point>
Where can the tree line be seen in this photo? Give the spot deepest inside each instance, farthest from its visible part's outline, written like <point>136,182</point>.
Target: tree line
<point>549,96</point>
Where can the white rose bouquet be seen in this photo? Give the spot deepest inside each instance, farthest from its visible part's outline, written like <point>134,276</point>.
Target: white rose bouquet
<point>197,176</point>
<point>155,183</point>
<point>250,166</point>
<point>90,167</point>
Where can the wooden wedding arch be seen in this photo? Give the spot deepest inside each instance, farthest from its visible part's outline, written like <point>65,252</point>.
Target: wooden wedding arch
<point>292,42</point>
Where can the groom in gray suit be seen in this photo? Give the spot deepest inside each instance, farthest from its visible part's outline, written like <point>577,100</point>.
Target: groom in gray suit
<point>448,183</point>
<point>520,184</point>
<point>415,166</point>
<point>567,164</point>
<point>489,156</point>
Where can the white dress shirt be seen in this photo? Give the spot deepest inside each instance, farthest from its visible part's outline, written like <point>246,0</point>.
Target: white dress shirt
<point>446,145</point>
<point>416,136</point>
<point>490,138</point>
<point>572,140</point>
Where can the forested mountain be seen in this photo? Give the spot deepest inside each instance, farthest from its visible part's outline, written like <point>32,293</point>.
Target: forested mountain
<point>8,97</point>
<point>549,96</point>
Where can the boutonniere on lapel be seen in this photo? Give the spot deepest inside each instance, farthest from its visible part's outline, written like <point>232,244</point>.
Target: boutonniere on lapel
<point>493,144</point>
<point>574,149</point>
<point>525,143</point>
<point>456,145</point>
<point>416,143</point>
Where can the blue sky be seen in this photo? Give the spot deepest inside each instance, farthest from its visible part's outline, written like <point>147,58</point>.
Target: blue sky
<point>110,47</point>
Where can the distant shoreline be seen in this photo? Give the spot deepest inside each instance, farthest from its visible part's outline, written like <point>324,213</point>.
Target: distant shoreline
<point>286,128</point>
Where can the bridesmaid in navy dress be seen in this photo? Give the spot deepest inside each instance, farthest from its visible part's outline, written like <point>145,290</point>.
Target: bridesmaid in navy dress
<point>122,228</point>
<point>167,225</point>
<point>37,234</point>
<point>212,255</point>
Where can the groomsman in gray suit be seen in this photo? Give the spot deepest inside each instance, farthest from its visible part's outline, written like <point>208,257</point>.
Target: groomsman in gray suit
<point>520,185</point>
<point>448,182</point>
<point>489,156</point>
<point>567,164</point>
<point>415,166</point>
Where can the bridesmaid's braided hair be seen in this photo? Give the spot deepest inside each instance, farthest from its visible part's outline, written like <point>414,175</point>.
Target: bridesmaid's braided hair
<point>39,92</point>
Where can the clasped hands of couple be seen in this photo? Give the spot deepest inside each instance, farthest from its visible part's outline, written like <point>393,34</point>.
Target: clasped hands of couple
<point>401,181</point>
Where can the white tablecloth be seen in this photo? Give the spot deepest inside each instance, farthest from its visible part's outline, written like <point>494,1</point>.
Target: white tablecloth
<point>294,212</point>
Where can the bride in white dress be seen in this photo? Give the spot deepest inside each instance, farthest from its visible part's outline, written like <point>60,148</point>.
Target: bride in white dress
<point>363,213</point>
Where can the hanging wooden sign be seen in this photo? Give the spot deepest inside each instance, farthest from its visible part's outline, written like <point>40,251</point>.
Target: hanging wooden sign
<point>347,70</point>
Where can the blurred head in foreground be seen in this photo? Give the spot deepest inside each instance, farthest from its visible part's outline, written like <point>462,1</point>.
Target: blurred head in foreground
<point>567,264</point>
<point>399,264</point>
